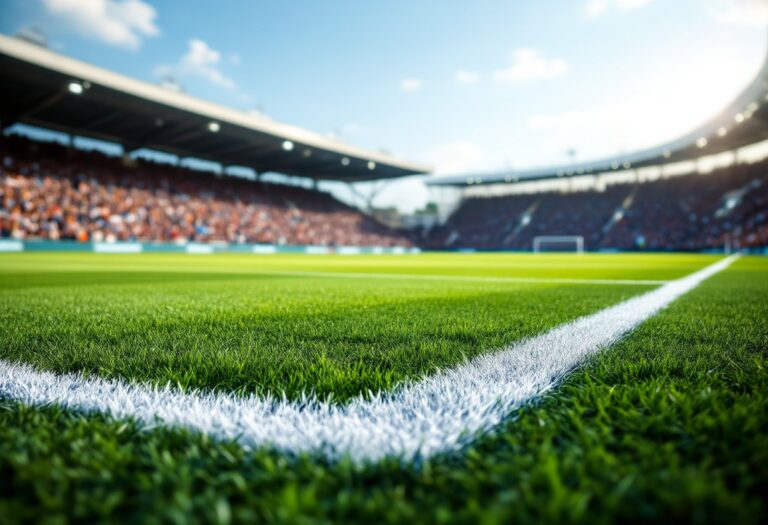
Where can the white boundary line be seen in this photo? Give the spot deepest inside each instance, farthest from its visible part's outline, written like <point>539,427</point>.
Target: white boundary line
<point>437,414</point>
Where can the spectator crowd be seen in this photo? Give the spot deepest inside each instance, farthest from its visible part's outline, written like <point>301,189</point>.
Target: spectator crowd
<point>48,191</point>
<point>690,212</point>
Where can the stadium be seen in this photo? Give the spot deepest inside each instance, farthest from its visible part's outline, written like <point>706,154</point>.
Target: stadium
<point>206,317</point>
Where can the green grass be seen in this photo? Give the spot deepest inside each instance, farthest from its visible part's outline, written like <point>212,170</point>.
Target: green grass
<point>669,425</point>
<point>226,323</point>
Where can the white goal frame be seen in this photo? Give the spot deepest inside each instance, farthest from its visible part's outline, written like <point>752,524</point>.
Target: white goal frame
<point>578,240</point>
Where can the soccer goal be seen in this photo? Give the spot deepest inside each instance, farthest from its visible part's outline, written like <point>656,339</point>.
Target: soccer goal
<point>558,243</point>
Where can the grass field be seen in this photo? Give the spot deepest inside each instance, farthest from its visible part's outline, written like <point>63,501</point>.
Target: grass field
<point>670,424</point>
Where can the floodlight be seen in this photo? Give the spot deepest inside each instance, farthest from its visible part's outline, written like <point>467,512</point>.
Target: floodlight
<point>75,88</point>
<point>345,161</point>
<point>371,165</point>
<point>287,145</point>
<point>214,127</point>
<point>701,142</point>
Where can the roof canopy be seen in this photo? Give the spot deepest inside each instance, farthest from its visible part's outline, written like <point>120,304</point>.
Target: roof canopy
<point>43,88</point>
<point>743,122</point>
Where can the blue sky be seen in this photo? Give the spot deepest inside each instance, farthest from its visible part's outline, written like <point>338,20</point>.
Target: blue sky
<point>466,86</point>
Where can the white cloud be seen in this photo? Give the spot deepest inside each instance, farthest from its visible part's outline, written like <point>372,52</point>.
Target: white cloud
<point>529,64</point>
<point>119,23</point>
<point>595,8</point>
<point>459,156</point>
<point>466,77</point>
<point>351,128</point>
<point>199,60</point>
<point>204,61</point>
<point>743,12</point>
<point>410,85</point>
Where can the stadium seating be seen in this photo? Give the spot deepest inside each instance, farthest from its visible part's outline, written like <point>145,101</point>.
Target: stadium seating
<point>691,212</point>
<point>50,192</point>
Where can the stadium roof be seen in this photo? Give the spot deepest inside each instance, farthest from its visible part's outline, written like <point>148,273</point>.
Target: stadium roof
<point>42,88</point>
<point>743,122</point>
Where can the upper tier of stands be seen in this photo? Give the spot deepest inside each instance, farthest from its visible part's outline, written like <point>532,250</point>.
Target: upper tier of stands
<point>48,191</point>
<point>691,212</point>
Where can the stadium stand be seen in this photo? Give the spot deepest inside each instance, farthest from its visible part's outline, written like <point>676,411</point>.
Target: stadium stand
<point>690,212</point>
<point>49,191</point>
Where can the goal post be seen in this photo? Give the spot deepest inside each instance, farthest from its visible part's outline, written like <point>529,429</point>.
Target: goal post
<point>558,242</point>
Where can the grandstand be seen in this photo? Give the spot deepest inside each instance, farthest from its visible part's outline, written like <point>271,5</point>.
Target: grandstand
<point>49,192</point>
<point>728,207</point>
<point>53,192</point>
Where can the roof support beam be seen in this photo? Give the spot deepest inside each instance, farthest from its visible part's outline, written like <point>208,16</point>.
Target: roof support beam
<point>169,134</point>
<point>31,107</point>
<point>240,148</point>
<point>106,118</point>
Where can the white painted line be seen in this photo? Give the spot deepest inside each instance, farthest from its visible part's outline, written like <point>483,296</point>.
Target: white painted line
<point>439,413</point>
<point>114,247</point>
<point>264,249</point>
<point>11,246</point>
<point>199,248</point>
<point>465,278</point>
<point>348,250</point>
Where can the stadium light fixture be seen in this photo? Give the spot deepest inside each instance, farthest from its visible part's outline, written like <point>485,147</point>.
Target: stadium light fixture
<point>739,118</point>
<point>371,165</point>
<point>667,154</point>
<point>627,165</point>
<point>75,88</point>
<point>615,165</point>
<point>214,127</point>
<point>287,145</point>
<point>307,153</point>
<point>701,142</point>
<point>345,161</point>
<point>722,132</point>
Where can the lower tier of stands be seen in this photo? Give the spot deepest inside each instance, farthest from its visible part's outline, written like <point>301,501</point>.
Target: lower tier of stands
<point>48,191</point>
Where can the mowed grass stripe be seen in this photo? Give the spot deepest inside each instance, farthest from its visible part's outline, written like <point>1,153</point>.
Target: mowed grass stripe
<point>250,333</point>
<point>437,414</point>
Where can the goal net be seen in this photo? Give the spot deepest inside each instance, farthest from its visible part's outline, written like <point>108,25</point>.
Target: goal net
<point>558,243</point>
